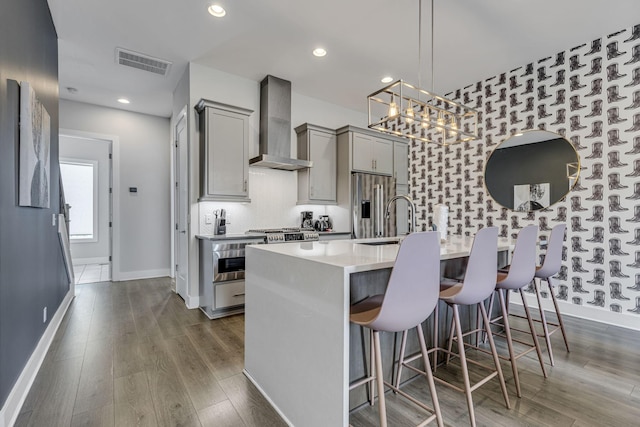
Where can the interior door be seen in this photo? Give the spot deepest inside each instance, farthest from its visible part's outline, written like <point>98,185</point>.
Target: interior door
<point>182,207</point>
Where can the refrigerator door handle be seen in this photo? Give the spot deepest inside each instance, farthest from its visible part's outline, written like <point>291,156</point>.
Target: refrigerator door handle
<point>378,222</point>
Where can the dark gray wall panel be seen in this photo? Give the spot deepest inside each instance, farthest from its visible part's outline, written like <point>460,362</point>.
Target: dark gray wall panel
<point>32,274</point>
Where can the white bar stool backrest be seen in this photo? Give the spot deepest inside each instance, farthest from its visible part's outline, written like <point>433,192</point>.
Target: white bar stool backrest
<point>413,288</point>
<point>523,262</point>
<point>480,275</point>
<point>553,256</point>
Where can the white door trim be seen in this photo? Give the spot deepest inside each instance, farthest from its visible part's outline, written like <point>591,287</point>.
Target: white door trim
<point>175,211</point>
<point>115,194</point>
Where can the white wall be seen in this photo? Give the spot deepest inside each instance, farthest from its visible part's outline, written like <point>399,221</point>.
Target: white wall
<point>76,148</point>
<point>144,141</point>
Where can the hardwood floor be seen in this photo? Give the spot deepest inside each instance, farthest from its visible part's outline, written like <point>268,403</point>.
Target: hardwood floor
<point>131,354</point>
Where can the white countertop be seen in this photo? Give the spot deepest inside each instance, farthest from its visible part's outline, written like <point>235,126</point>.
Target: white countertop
<point>354,255</point>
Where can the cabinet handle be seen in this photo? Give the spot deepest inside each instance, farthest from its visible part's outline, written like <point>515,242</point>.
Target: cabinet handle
<point>244,185</point>
<point>311,191</point>
<point>238,295</point>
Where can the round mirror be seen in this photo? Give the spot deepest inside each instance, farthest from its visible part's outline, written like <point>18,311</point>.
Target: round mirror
<point>531,170</point>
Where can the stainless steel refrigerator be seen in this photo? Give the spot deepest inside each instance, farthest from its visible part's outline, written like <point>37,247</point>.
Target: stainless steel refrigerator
<point>370,194</point>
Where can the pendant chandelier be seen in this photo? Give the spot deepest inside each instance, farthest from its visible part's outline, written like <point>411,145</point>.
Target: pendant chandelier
<point>405,110</point>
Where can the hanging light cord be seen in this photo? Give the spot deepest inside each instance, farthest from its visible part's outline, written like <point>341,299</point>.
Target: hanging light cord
<point>420,45</point>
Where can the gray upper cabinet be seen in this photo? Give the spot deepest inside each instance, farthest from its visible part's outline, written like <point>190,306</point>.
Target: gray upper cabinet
<point>317,185</point>
<point>372,154</point>
<point>224,145</point>
<point>401,163</point>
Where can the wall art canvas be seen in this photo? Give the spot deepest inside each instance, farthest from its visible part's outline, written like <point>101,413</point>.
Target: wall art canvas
<point>35,140</point>
<point>531,197</point>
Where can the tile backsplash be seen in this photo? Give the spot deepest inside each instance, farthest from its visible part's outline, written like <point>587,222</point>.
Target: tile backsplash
<point>273,195</point>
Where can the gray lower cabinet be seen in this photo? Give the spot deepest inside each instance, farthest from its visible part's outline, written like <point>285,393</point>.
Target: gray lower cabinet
<point>317,185</point>
<point>224,152</point>
<point>217,299</point>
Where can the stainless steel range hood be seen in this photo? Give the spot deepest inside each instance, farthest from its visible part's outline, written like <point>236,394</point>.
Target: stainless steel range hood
<point>275,127</point>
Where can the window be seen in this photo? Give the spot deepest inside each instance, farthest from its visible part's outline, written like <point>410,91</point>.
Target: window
<point>79,179</point>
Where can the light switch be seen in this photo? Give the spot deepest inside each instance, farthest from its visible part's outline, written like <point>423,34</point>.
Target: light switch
<point>208,218</point>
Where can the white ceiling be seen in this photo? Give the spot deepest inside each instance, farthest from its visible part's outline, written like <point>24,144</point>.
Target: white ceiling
<point>365,40</point>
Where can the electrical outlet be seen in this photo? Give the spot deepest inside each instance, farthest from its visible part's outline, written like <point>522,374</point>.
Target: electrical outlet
<point>208,218</point>
<point>44,315</point>
<point>53,220</point>
<point>228,218</point>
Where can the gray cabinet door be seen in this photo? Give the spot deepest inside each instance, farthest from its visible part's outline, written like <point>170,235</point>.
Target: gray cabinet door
<point>402,211</point>
<point>401,163</point>
<point>372,154</point>
<point>322,179</point>
<point>224,134</point>
<point>383,156</point>
<point>363,153</point>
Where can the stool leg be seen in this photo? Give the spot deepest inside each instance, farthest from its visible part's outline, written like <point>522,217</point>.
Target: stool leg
<point>543,320</point>
<point>450,341</point>
<point>427,369</point>
<point>379,379</point>
<point>494,351</point>
<point>507,330</point>
<point>403,344</point>
<point>533,333</point>
<point>436,344</point>
<point>555,304</point>
<point>463,363</point>
<point>372,358</point>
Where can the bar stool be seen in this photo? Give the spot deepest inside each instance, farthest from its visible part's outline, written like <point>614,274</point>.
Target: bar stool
<point>519,274</point>
<point>410,297</point>
<point>477,286</point>
<point>550,267</point>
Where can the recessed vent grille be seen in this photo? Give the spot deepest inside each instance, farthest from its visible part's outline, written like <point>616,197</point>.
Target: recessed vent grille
<point>142,62</point>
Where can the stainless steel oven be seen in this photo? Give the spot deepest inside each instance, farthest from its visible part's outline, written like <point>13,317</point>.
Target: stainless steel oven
<point>228,261</point>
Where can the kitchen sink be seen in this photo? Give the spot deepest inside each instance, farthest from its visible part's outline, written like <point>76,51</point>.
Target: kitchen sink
<point>381,242</point>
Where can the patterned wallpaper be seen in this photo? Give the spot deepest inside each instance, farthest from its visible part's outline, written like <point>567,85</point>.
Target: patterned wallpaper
<point>590,94</point>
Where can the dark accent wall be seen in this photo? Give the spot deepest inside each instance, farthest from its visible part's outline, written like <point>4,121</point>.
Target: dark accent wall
<point>529,164</point>
<point>32,274</point>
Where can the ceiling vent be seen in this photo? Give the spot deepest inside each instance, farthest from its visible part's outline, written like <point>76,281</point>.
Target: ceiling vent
<point>142,62</point>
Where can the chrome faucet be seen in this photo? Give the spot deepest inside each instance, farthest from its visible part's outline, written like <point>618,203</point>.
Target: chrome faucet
<point>412,205</point>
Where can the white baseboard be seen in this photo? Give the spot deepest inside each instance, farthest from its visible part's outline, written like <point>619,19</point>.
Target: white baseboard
<point>11,409</point>
<point>273,405</point>
<point>623,320</point>
<point>142,274</point>
<point>96,260</point>
<point>193,302</point>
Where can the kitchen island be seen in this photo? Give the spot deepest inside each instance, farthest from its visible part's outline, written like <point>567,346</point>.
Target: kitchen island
<point>298,339</point>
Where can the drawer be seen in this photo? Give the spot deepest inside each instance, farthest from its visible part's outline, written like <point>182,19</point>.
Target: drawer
<point>229,294</point>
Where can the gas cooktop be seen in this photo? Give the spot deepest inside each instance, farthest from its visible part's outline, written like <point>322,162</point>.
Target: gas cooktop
<point>286,234</point>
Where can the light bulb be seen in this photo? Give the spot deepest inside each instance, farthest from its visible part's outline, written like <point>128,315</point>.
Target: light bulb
<point>393,108</point>
<point>440,121</point>
<point>426,118</point>
<point>410,113</point>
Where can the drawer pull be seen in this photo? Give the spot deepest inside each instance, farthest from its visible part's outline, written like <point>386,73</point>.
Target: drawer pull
<point>238,295</point>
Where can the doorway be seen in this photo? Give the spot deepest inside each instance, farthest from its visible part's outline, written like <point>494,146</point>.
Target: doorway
<point>181,230</point>
<point>87,176</point>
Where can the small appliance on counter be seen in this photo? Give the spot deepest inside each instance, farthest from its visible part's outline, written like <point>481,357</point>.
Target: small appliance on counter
<point>220,226</point>
<point>323,223</point>
<point>307,219</point>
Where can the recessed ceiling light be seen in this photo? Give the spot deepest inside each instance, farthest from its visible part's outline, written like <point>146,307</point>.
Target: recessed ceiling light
<point>123,101</point>
<point>217,10</point>
<point>319,52</point>
<point>387,79</point>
